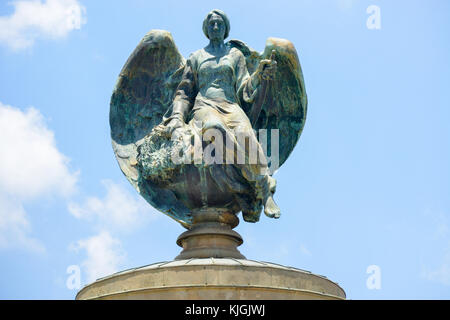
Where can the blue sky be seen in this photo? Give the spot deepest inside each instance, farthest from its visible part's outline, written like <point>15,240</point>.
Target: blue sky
<point>368,183</point>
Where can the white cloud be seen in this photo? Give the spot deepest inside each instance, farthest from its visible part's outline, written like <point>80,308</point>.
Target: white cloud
<point>31,166</point>
<point>34,19</point>
<point>119,210</point>
<point>15,227</point>
<point>104,255</point>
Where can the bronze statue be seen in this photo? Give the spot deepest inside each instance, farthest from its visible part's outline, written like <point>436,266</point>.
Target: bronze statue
<point>221,101</point>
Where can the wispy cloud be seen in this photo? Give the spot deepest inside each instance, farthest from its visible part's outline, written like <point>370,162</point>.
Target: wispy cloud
<point>33,19</point>
<point>31,166</point>
<point>118,210</point>
<point>15,227</point>
<point>104,255</point>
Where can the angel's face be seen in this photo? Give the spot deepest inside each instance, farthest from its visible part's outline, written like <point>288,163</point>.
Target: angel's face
<point>216,27</point>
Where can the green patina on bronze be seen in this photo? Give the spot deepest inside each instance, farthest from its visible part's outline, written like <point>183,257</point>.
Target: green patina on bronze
<point>221,86</point>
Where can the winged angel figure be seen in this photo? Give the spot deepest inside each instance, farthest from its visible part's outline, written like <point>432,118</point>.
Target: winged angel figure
<point>163,103</point>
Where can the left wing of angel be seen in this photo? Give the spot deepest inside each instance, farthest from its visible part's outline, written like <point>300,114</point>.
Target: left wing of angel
<point>143,93</point>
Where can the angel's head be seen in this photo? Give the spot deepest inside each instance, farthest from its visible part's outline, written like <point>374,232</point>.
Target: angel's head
<point>216,25</point>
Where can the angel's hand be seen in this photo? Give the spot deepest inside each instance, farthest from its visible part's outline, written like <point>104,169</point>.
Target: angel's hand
<point>267,67</point>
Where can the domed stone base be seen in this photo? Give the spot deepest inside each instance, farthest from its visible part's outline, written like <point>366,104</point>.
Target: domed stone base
<point>213,279</point>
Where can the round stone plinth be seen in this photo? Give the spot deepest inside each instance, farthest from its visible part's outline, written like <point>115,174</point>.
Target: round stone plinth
<point>213,279</point>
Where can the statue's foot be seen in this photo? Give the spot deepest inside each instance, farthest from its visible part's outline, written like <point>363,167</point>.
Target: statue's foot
<point>272,184</point>
<point>271,209</point>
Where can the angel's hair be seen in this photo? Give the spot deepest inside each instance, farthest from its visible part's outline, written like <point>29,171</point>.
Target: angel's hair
<point>224,18</point>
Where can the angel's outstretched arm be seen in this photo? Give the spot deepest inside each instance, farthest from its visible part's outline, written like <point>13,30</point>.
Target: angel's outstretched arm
<point>185,95</point>
<point>249,86</point>
<point>246,85</point>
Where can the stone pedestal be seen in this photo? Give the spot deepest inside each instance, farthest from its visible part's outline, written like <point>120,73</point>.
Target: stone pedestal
<point>213,279</point>
<point>211,236</point>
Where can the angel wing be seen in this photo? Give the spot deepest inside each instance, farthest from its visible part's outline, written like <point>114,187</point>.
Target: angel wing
<point>284,103</point>
<point>143,93</point>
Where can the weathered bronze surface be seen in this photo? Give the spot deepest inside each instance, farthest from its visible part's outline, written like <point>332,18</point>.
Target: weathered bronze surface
<point>163,103</point>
